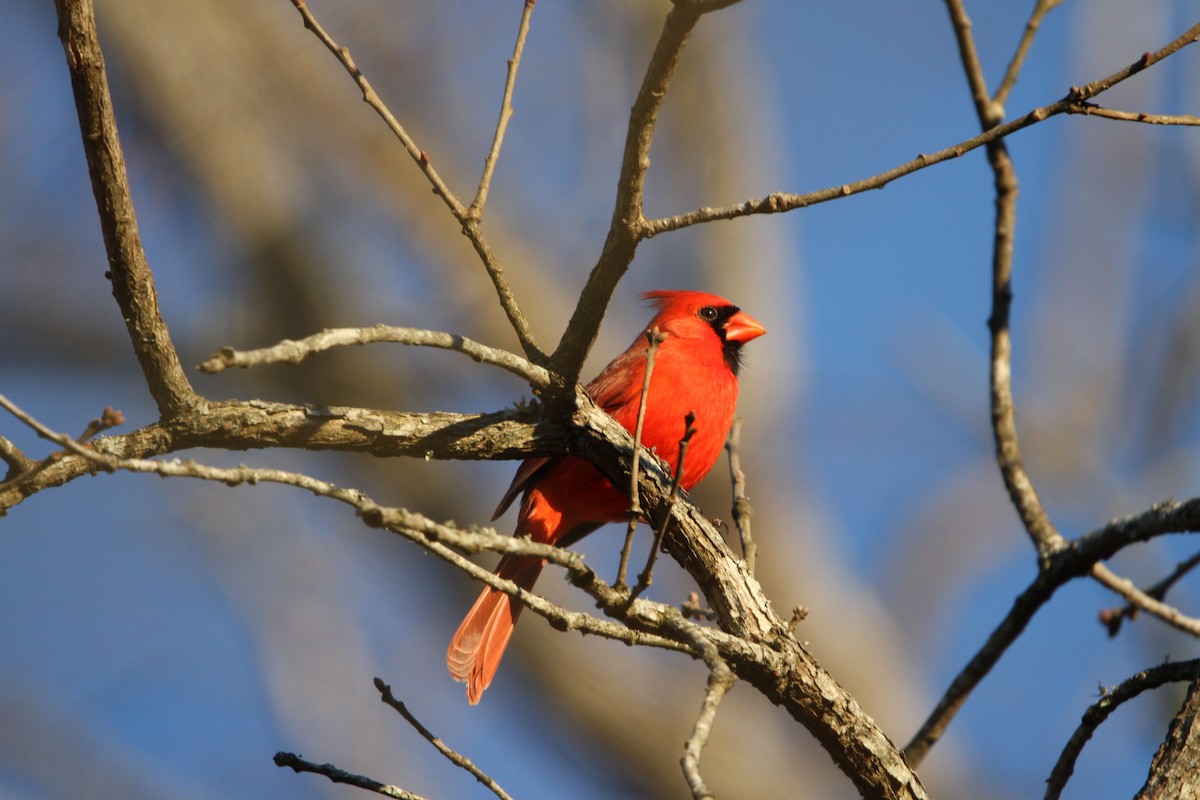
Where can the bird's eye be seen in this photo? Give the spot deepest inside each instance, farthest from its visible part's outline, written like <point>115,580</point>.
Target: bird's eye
<point>708,313</point>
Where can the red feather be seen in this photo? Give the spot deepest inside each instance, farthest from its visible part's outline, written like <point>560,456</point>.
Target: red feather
<point>565,498</point>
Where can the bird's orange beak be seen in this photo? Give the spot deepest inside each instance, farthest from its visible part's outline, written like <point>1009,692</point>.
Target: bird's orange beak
<point>742,327</point>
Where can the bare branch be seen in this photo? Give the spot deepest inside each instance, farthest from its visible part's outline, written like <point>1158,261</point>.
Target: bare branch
<point>627,227</point>
<point>336,775</point>
<point>475,211</point>
<point>645,576</point>
<point>1017,481</point>
<point>110,418</point>
<point>453,756</point>
<point>293,352</point>
<point>18,463</point>
<point>720,681</point>
<point>254,425</point>
<point>129,272</point>
<point>1177,762</point>
<point>742,510</point>
<point>654,337</point>
<point>1075,560</point>
<point>470,226</point>
<point>1093,110</point>
<point>1040,10</point>
<point>371,98</point>
<point>780,202</point>
<point>1145,601</point>
<point>1098,712</point>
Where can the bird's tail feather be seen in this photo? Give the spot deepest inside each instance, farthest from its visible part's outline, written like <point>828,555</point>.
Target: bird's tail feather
<point>478,644</point>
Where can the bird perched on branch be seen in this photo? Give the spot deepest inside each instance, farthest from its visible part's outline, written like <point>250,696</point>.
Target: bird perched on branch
<point>565,498</point>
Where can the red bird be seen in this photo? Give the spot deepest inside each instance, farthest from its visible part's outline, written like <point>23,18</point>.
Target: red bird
<point>566,498</point>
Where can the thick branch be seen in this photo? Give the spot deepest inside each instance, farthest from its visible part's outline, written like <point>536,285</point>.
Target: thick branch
<point>760,648</point>
<point>256,425</point>
<point>1177,762</point>
<point>132,281</point>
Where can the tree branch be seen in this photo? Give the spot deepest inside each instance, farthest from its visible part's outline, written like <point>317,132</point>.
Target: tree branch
<point>1112,617</point>
<point>298,764</point>
<point>627,227</point>
<point>1146,601</point>
<point>1040,10</point>
<point>293,352</point>
<point>451,755</point>
<point>132,280</point>
<point>1093,110</point>
<point>1073,561</point>
<point>1177,763</point>
<point>1100,711</point>
<point>475,211</point>
<point>780,202</point>
<point>742,511</point>
<point>470,224</point>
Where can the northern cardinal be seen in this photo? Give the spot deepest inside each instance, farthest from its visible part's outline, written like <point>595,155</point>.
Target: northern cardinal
<point>566,498</point>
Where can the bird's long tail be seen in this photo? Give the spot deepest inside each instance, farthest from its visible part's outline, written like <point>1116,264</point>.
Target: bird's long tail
<point>478,644</point>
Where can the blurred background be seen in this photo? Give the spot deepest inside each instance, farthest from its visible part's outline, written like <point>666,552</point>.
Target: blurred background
<point>166,638</point>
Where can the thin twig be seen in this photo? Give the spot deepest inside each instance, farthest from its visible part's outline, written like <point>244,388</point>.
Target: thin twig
<point>470,226</point>
<point>110,418</point>
<point>720,681</point>
<point>294,351</point>
<point>1099,711</point>
<point>1093,110</point>
<point>654,337</point>
<point>1149,601</point>
<point>337,775</point>
<point>475,210</point>
<point>453,756</point>
<point>781,202</point>
<point>375,102</point>
<point>742,510</point>
<point>1113,617</point>
<point>1040,10</point>
<point>645,577</point>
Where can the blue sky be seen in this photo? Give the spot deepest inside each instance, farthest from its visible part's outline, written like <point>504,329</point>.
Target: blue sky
<point>185,632</point>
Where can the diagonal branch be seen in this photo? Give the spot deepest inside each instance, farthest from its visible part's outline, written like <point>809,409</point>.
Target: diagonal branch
<point>475,211</point>
<point>628,225</point>
<point>132,280</point>
<point>1145,601</point>
<point>453,756</point>
<point>1040,10</point>
<point>470,224</point>
<point>1098,712</point>
<point>1075,560</point>
<point>781,202</point>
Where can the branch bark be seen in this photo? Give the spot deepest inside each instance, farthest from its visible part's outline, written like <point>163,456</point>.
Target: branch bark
<point>129,272</point>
